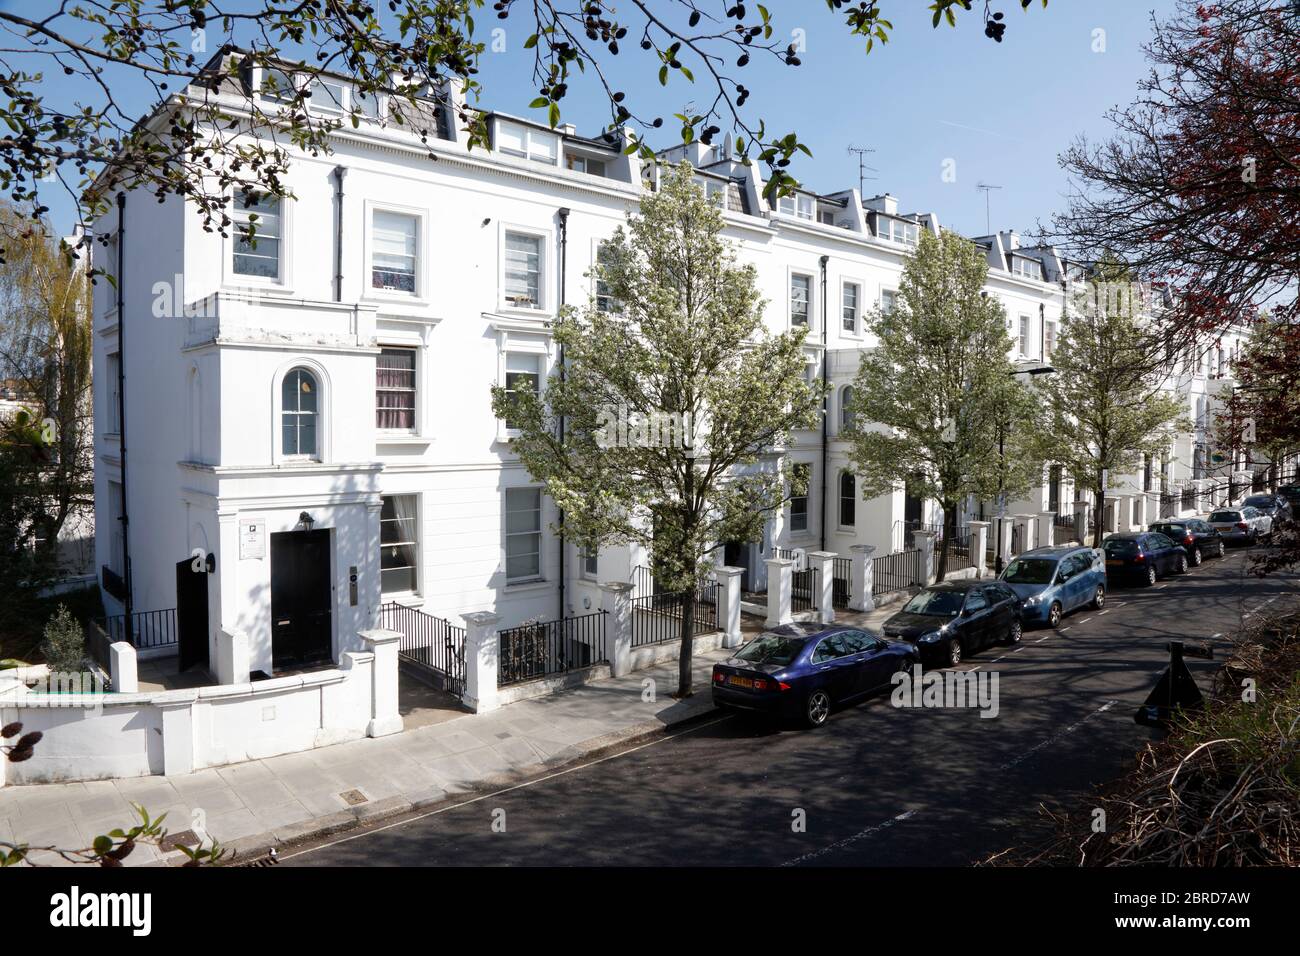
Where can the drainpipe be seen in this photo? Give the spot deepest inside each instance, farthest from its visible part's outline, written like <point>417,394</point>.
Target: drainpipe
<point>826,400</point>
<point>128,603</point>
<point>563,265</point>
<point>339,173</point>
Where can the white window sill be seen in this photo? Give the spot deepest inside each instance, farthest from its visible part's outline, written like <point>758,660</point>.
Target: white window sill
<point>404,598</point>
<point>401,438</point>
<point>529,584</point>
<point>541,312</point>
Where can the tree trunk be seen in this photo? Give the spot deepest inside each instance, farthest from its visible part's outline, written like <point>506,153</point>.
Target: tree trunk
<point>949,529</point>
<point>1098,515</point>
<point>684,660</point>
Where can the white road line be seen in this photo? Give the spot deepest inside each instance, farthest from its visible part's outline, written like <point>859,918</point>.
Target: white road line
<point>1100,613</point>
<point>1058,735</point>
<point>503,790</point>
<point>861,834</point>
<point>1085,620</point>
<point>1040,640</point>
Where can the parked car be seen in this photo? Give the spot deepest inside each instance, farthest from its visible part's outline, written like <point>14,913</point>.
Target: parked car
<point>1143,556</point>
<point>1199,538</point>
<point>1052,582</point>
<point>803,670</point>
<point>1242,525</point>
<point>949,620</point>
<point>1275,506</point>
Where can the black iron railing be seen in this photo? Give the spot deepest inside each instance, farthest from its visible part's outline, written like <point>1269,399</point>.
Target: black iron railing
<point>960,556</point>
<point>657,618</point>
<point>1169,504</point>
<point>1063,528</point>
<point>804,589</point>
<point>842,584</point>
<point>431,643</point>
<point>1189,499</point>
<point>897,572</point>
<point>537,649</point>
<point>148,628</point>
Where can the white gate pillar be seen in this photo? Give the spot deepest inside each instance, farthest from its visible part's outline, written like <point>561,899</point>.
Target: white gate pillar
<point>780,584</point>
<point>1046,529</point>
<point>979,542</point>
<point>616,602</point>
<point>729,605</point>
<point>482,658</point>
<point>384,715</point>
<point>860,577</point>
<point>822,563</point>
<point>925,543</point>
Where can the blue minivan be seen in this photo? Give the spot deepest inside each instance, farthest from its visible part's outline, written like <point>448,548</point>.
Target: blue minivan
<point>1052,582</point>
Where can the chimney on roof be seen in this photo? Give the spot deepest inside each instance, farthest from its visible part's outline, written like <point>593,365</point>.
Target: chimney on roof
<point>568,129</point>
<point>884,203</point>
<point>1010,239</point>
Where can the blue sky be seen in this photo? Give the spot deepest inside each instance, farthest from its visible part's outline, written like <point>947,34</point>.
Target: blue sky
<point>1001,113</point>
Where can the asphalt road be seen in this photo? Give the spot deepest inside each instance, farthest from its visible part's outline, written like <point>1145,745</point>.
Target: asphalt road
<point>877,785</point>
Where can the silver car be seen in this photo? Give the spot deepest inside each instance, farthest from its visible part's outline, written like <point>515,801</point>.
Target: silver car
<point>1244,525</point>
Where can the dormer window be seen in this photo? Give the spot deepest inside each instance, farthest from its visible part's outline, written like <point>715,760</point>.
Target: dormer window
<point>1027,268</point>
<point>515,139</point>
<point>798,205</point>
<point>277,86</point>
<point>328,95</point>
<point>897,230</point>
<point>585,164</point>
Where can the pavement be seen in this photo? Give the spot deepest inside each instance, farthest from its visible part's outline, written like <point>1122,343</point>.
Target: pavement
<point>250,807</point>
<point>877,785</point>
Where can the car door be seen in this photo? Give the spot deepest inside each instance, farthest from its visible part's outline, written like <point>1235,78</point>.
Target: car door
<point>1169,550</point>
<point>834,667</point>
<point>975,620</point>
<point>1001,613</point>
<point>871,668</point>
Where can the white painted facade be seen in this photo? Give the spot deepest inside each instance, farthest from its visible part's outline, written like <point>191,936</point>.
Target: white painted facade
<point>207,350</point>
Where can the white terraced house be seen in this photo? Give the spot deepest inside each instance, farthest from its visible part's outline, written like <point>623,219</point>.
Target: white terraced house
<point>308,422</point>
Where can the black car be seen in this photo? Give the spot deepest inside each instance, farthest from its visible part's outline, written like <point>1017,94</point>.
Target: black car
<point>1143,556</point>
<point>1199,539</point>
<point>948,620</point>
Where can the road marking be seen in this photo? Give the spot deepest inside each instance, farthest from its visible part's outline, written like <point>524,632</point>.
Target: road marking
<point>1085,620</point>
<point>860,835</point>
<point>1058,735</point>
<point>1040,640</point>
<point>1100,613</point>
<point>504,790</point>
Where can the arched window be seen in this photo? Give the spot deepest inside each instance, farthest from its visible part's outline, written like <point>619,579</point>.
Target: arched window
<point>848,499</point>
<point>299,414</point>
<point>846,416</point>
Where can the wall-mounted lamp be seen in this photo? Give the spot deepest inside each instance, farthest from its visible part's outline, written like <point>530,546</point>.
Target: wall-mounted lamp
<point>305,521</point>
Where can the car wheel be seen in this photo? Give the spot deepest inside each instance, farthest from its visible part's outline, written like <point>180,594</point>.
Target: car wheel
<point>1099,599</point>
<point>1151,575</point>
<point>1015,632</point>
<point>1197,557</point>
<point>818,708</point>
<point>1054,614</point>
<point>1181,567</point>
<point>954,651</point>
<point>1223,549</point>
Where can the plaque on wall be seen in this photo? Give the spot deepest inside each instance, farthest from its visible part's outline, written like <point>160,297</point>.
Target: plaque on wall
<point>252,538</point>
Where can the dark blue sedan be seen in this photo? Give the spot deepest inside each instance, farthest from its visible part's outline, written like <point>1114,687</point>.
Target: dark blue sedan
<point>1143,556</point>
<point>802,670</point>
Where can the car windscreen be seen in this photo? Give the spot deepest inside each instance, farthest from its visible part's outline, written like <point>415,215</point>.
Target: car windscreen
<point>771,649</point>
<point>1259,501</point>
<point>1023,571</point>
<point>1120,545</point>
<point>936,603</point>
<point>1170,530</point>
<point>1225,516</point>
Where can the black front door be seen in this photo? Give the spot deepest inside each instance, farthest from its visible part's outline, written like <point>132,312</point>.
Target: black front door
<point>301,598</point>
<point>735,554</point>
<point>191,614</point>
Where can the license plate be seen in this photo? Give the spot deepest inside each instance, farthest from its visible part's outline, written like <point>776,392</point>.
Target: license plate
<point>1114,564</point>
<point>735,681</point>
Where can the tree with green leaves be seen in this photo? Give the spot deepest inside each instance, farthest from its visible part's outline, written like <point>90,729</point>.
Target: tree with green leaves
<point>119,59</point>
<point>651,429</point>
<point>1105,406</point>
<point>936,396</point>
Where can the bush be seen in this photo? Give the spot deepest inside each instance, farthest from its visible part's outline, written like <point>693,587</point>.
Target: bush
<point>64,647</point>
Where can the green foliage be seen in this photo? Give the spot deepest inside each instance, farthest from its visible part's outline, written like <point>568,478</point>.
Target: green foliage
<point>64,647</point>
<point>937,393</point>
<point>687,344</point>
<point>1105,406</point>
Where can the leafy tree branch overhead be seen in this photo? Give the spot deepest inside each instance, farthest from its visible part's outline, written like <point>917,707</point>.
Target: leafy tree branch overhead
<point>125,56</point>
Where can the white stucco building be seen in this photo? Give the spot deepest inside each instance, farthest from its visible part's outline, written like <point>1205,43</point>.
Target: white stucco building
<point>308,421</point>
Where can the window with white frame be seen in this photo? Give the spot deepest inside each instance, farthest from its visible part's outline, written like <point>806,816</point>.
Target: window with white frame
<point>1049,339</point>
<point>898,230</point>
<point>584,164</point>
<point>851,298</point>
<point>328,95</point>
<point>369,104</point>
<point>258,256</point>
<point>395,389</point>
<point>523,270</point>
<point>399,544</point>
<point>277,86</point>
<point>515,139</point>
<point>113,418</point>
<point>589,562</point>
<point>1027,268</point>
<point>299,414</point>
<point>847,417</point>
<point>848,499</point>
<point>605,300</point>
<point>799,497</point>
<point>394,251</point>
<point>797,205</point>
<point>1023,341</point>
<point>800,299</point>
<point>888,301</point>
<point>523,374</point>
<point>523,535</point>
